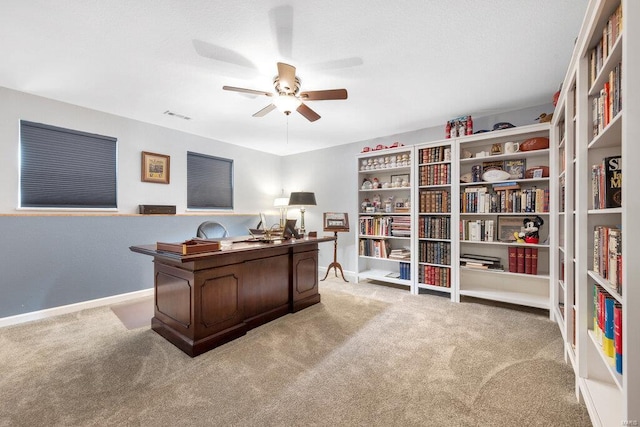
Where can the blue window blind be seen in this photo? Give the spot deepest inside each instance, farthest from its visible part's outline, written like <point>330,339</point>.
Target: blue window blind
<point>209,182</point>
<point>63,168</point>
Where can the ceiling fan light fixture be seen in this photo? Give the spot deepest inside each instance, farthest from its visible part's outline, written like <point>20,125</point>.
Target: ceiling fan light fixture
<point>286,103</point>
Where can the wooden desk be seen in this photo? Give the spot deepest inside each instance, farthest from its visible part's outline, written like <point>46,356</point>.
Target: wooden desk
<point>205,300</point>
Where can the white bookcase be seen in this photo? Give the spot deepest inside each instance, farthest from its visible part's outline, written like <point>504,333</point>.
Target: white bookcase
<point>611,397</point>
<point>385,222</point>
<point>434,226</point>
<point>499,222</point>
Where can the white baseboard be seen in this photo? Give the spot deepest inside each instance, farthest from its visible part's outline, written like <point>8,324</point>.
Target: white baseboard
<point>115,299</point>
<point>71,308</point>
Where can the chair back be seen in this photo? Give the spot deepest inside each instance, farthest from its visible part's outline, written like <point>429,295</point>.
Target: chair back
<point>211,230</point>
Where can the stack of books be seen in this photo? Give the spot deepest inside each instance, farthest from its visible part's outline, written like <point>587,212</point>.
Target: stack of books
<point>481,262</point>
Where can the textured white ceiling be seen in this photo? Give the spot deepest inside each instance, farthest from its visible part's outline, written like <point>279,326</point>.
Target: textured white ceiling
<point>406,64</point>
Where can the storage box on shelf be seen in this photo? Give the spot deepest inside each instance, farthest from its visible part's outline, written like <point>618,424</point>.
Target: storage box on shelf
<point>384,216</point>
<point>434,171</point>
<point>607,349</point>
<point>506,186</point>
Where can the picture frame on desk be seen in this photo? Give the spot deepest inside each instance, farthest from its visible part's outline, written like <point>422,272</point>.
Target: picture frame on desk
<point>335,221</point>
<point>155,168</point>
<point>507,226</point>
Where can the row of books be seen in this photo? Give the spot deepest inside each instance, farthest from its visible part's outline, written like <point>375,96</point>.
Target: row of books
<point>481,262</point>
<point>434,276</point>
<point>477,230</point>
<point>434,252</point>
<point>606,183</point>
<point>602,50</point>
<point>434,227</point>
<point>434,154</point>
<point>405,271</point>
<point>607,325</point>
<point>523,259</point>
<point>608,104</point>
<point>397,226</point>
<point>438,201</point>
<point>439,174</point>
<point>607,255</point>
<point>374,248</point>
<point>504,199</point>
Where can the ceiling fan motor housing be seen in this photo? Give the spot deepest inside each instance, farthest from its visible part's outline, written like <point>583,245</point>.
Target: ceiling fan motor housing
<point>285,87</point>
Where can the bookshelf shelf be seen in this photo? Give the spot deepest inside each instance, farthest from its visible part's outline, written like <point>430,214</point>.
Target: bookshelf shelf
<point>383,276</point>
<point>433,288</point>
<point>511,297</point>
<point>609,362</point>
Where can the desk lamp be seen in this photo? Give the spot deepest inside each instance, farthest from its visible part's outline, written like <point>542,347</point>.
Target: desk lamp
<point>302,199</point>
<point>282,203</point>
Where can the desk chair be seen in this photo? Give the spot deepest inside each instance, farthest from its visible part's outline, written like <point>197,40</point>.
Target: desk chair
<point>211,230</point>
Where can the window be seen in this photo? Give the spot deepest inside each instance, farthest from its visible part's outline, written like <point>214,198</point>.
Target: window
<point>209,182</point>
<point>62,168</point>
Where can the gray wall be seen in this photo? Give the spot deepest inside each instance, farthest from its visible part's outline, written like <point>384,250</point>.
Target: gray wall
<point>49,260</point>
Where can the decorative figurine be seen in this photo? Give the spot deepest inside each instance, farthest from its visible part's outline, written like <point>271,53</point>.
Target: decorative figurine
<point>531,232</point>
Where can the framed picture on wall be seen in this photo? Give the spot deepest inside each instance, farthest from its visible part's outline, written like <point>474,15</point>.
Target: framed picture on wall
<point>155,168</point>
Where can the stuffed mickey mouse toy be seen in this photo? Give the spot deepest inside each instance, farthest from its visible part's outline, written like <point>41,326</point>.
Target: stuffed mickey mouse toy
<point>531,229</point>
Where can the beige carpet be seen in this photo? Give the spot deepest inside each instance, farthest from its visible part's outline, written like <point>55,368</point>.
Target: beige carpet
<point>367,355</point>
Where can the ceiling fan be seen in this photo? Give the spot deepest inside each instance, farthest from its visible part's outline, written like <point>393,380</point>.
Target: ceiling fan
<point>287,96</point>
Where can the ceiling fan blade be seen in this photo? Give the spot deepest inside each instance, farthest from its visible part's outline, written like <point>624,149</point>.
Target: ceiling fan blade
<point>308,113</point>
<point>287,77</point>
<point>282,25</point>
<point>323,95</point>
<point>265,110</point>
<point>243,90</point>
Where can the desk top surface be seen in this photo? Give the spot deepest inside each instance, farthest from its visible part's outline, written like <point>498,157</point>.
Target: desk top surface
<point>237,245</point>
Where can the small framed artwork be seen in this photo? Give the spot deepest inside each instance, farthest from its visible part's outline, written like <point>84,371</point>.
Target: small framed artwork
<point>515,167</point>
<point>334,221</point>
<point>155,168</point>
<point>507,226</point>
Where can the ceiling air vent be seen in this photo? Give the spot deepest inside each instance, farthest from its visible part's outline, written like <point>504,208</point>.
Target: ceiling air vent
<point>180,116</point>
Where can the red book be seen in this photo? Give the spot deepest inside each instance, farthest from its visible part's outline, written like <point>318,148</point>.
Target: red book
<point>520,259</point>
<point>527,260</point>
<point>513,262</point>
<point>534,261</point>
<point>617,335</point>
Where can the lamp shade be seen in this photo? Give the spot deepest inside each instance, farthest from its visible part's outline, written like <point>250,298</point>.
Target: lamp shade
<point>302,198</point>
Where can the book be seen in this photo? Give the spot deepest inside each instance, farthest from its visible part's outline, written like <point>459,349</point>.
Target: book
<point>520,260</point>
<point>513,261</point>
<point>527,260</point>
<point>615,251</point>
<point>612,182</point>
<point>534,261</point>
<point>607,342</point>
<point>617,335</point>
